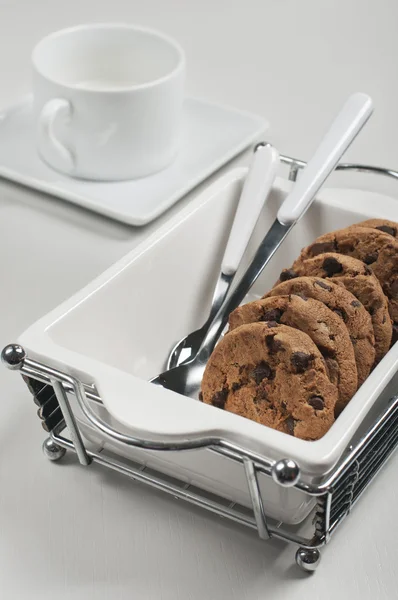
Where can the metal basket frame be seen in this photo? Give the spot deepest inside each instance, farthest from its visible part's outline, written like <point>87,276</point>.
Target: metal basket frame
<point>335,494</point>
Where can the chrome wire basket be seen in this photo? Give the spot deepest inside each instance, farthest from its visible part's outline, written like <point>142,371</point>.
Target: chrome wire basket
<point>335,494</point>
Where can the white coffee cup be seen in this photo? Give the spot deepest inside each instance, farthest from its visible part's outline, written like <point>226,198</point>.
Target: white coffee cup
<point>108,100</point>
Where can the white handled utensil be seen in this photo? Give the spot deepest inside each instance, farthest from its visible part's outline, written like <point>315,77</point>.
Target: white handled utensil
<point>340,135</point>
<point>256,188</point>
<point>186,378</point>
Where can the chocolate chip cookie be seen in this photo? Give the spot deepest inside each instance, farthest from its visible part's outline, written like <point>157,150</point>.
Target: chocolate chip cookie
<point>346,306</point>
<point>384,225</point>
<point>375,248</point>
<point>274,375</point>
<point>323,326</point>
<point>358,279</point>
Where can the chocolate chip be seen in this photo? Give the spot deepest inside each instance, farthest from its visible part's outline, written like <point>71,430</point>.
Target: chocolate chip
<point>261,396</point>
<point>301,361</point>
<point>219,399</point>
<point>290,423</point>
<point>201,396</point>
<point>326,352</point>
<point>333,370</point>
<point>371,258</point>
<point>236,386</point>
<point>272,315</point>
<point>331,266</point>
<point>262,371</point>
<point>271,324</point>
<point>287,274</point>
<point>316,402</point>
<point>323,285</point>
<point>322,247</point>
<point>355,303</point>
<point>341,313</point>
<point>394,333</point>
<point>302,296</point>
<point>390,230</point>
<point>394,289</point>
<point>273,344</point>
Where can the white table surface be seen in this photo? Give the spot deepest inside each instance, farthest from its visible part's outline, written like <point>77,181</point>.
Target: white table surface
<point>69,532</point>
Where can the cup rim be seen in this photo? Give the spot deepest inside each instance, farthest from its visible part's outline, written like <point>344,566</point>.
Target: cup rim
<point>127,26</point>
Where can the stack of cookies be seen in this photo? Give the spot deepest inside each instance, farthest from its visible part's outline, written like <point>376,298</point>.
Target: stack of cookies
<point>293,359</point>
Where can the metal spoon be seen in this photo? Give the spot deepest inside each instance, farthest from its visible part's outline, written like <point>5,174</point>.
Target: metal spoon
<point>186,378</point>
<point>256,188</point>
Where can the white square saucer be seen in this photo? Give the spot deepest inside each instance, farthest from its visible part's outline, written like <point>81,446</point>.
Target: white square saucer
<point>211,136</point>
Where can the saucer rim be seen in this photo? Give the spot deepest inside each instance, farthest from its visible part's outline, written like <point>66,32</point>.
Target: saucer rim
<point>40,184</point>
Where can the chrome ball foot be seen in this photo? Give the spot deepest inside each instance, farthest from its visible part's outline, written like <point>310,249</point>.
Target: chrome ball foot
<point>308,559</point>
<point>286,472</point>
<point>53,451</point>
<point>13,356</point>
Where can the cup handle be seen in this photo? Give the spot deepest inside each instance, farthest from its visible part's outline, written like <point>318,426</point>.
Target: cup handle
<point>58,107</point>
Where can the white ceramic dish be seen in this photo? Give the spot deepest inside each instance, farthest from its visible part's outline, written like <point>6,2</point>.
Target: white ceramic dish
<point>117,332</point>
<point>211,136</point>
